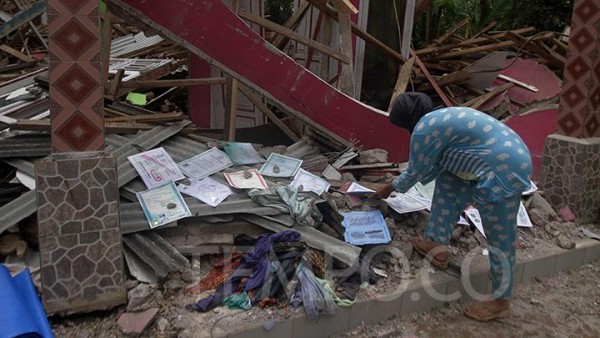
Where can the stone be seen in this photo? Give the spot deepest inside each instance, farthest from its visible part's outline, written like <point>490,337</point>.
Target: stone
<point>565,243</point>
<point>539,202</point>
<point>134,323</point>
<point>348,177</point>
<point>187,276</point>
<point>162,323</point>
<point>339,199</point>
<point>12,243</point>
<point>143,297</point>
<point>373,156</point>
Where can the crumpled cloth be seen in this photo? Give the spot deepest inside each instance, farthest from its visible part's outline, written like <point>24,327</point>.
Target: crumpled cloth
<point>238,301</point>
<point>316,297</point>
<point>287,199</point>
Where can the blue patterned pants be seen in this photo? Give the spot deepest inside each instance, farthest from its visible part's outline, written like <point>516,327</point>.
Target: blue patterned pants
<point>452,195</point>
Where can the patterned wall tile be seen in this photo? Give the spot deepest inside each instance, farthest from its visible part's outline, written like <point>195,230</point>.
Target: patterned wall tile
<point>76,109</point>
<point>580,96</point>
<point>571,175</point>
<point>80,239</point>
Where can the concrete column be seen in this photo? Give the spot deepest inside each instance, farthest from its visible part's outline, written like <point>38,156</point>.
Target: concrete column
<point>77,192</point>
<point>80,239</point>
<point>571,163</point>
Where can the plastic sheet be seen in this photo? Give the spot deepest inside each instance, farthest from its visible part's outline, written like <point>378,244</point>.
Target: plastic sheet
<point>22,314</point>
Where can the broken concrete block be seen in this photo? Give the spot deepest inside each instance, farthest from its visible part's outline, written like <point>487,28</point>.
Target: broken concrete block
<point>373,156</point>
<point>134,323</point>
<point>565,243</point>
<point>143,297</point>
<point>538,202</point>
<point>12,243</point>
<point>348,177</point>
<point>566,214</point>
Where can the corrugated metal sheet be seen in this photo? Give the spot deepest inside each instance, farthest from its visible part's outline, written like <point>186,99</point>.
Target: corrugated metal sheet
<point>28,145</point>
<point>17,210</point>
<point>161,256</point>
<point>131,43</point>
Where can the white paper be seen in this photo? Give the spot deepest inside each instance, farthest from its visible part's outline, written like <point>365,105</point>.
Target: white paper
<point>309,182</point>
<point>163,204</point>
<point>331,173</point>
<point>209,162</point>
<point>207,190</point>
<point>280,166</point>
<point>239,181</point>
<point>155,167</point>
<point>531,190</point>
<point>345,158</point>
<point>475,217</point>
<point>523,217</point>
<point>242,153</point>
<point>412,192</point>
<point>426,190</point>
<point>403,203</point>
<point>365,227</point>
<point>357,188</point>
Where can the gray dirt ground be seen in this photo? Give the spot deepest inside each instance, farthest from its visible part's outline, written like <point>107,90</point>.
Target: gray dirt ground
<point>564,305</point>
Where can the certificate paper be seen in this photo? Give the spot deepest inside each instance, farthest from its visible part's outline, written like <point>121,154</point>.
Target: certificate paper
<point>280,166</point>
<point>309,182</point>
<point>365,227</point>
<point>474,216</point>
<point>247,179</point>
<point>403,203</point>
<point>155,167</point>
<point>207,190</point>
<point>163,204</point>
<point>242,153</point>
<point>358,189</point>
<point>523,217</point>
<point>209,162</point>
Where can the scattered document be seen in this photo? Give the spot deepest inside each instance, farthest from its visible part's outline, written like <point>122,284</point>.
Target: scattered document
<point>523,217</point>
<point>356,188</point>
<point>242,153</point>
<point>155,167</point>
<point>412,192</point>
<point>209,162</point>
<point>207,190</point>
<point>365,227</point>
<point>246,179</point>
<point>403,203</point>
<point>474,216</point>
<point>426,190</point>
<point>306,181</point>
<point>163,204</point>
<point>280,166</point>
<point>331,173</point>
<point>533,188</point>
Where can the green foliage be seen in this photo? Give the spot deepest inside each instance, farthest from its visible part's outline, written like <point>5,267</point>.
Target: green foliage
<point>279,10</point>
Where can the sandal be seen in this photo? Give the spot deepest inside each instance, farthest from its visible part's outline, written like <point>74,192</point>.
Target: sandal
<point>480,311</point>
<point>423,246</point>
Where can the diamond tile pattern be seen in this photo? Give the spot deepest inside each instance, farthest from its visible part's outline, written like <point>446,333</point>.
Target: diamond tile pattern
<point>75,90</point>
<point>580,96</point>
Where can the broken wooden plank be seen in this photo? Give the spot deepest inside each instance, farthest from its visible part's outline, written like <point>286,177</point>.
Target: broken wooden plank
<point>110,127</point>
<point>431,80</point>
<point>518,83</point>
<point>480,100</point>
<point>134,84</point>
<point>151,118</point>
<point>22,18</point>
<point>115,84</point>
<point>256,100</point>
<point>402,81</point>
<point>16,53</point>
<point>270,25</point>
<point>346,81</point>
<point>443,38</point>
<point>344,6</point>
<point>231,101</point>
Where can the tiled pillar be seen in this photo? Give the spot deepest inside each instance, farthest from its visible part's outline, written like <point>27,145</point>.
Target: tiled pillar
<point>77,193</point>
<point>80,239</point>
<point>572,158</point>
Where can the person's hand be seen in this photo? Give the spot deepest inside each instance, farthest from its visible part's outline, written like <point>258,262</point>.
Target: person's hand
<point>383,192</point>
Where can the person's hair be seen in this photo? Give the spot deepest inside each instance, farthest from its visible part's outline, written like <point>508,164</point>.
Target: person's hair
<point>408,108</point>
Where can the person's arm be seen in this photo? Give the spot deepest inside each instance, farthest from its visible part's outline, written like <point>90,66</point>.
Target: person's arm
<point>424,152</point>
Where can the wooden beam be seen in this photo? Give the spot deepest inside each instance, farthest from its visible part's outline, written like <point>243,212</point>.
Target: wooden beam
<point>115,84</point>
<point>472,50</point>
<point>257,101</point>
<point>106,40</point>
<point>22,18</point>
<point>456,28</point>
<point>402,81</point>
<point>172,83</point>
<point>368,38</point>
<point>109,127</point>
<point>530,44</point>
<point>448,79</point>
<point>280,41</point>
<point>431,80</point>
<point>346,82</point>
<point>229,123</point>
<point>344,6</point>
<point>471,42</point>
<point>315,36</point>
<point>294,36</point>
<point>478,101</point>
<point>149,118</point>
<point>16,53</point>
